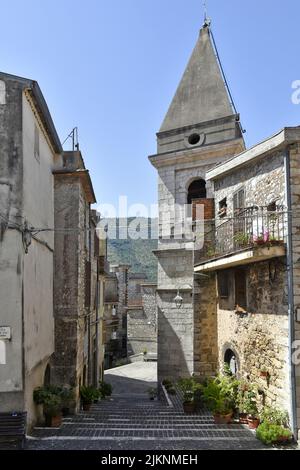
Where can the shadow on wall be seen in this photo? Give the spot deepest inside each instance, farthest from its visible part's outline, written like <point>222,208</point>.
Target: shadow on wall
<point>171,359</point>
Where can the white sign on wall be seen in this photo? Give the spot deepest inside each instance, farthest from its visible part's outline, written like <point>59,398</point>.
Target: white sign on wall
<point>5,332</point>
<point>2,352</point>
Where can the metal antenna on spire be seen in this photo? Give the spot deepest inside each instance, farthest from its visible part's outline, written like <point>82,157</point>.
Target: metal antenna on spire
<point>207,21</point>
<point>205,9</point>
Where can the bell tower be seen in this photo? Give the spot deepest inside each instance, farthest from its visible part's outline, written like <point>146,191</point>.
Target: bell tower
<point>200,130</point>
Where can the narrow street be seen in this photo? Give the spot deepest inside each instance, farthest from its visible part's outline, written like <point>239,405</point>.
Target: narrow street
<point>130,421</point>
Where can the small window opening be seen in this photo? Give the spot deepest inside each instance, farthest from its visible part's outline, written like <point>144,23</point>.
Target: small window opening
<point>194,139</point>
<point>223,207</point>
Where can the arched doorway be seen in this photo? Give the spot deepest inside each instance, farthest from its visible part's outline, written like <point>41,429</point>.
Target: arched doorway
<point>47,376</point>
<point>196,190</point>
<point>231,360</point>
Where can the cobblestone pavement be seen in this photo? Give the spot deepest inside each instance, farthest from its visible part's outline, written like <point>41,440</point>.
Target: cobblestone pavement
<point>130,421</point>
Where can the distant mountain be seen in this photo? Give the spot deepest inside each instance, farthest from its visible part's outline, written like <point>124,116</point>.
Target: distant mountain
<point>136,252</point>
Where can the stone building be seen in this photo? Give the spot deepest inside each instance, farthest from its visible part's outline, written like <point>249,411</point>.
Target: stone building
<point>141,316</point>
<point>252,263</point>
<point>78,284</point>
<point>142,321</point>
<point>236,274</point>
<point>200,130</point>
<point>28,148</point>
<point>116,301</point>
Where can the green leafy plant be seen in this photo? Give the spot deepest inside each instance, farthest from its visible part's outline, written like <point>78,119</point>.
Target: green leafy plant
<point>52,405</point>
<point>242,239</point>
<point>105,389</point>
<point>247,399</point>
<point>220,394</point>
<point>270,433</point>
<point>275,416</point>
<point>89,394</point>
<point>152,393</point>
<point>169,387</point>
<point>189,387</point>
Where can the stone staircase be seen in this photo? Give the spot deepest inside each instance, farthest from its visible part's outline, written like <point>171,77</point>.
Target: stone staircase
<point>135,417</point>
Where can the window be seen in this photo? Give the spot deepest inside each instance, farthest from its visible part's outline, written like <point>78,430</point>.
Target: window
<point>240,290</point>
<point>194,139</point>
<point>2,92</point>
<point>223,284</point>
<point>36,143</point>
<point>223,207</point>
<point>197,190</point>
<point>272,207</point>
<point>238,201</point>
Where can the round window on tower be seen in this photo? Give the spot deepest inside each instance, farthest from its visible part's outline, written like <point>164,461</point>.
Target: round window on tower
<point>194,139</point>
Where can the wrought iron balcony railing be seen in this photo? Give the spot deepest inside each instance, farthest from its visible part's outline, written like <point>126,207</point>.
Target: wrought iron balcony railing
<point>248,228</point>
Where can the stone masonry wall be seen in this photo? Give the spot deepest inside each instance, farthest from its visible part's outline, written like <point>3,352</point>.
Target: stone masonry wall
<point>142,324</point>
<point>295,193</point>
<point>260,338</point>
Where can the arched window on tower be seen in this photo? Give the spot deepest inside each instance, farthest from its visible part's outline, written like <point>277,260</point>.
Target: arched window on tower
<point>197,190</point>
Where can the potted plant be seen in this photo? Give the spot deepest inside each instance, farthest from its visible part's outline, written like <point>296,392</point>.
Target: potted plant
<point>51,400</point>
<point>152,393</point>
<point>241,239</point>
<point>105,389</point>
<point>67,398</point>
<point>270,433</point>
<point>88,395</point>
<point>217,402</point>
<point>253,415</point>
<point>220,395</point>
<point>187,387</point>
<point>52,410</point>
<point>169,387</point>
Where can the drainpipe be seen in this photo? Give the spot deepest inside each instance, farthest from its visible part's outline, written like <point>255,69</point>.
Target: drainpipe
<point>90,297</point>
<point>97,325</point>
<point>291,307</point>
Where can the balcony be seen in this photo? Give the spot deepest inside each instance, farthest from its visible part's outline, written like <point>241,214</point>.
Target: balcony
<point>254,234</point>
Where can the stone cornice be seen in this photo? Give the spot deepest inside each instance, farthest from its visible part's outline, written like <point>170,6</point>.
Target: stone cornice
<point>199,155</point>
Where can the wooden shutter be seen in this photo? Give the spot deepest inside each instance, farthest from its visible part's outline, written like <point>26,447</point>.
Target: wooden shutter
<point>223,284</point>
<point>241,288</point>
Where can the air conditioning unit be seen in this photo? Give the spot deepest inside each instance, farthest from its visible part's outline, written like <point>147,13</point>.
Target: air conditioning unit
<point>114,335</point>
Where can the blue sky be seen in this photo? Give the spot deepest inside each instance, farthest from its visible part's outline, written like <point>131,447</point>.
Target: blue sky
<point>112,67</point>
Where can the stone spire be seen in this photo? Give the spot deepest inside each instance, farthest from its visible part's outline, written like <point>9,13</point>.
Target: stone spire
<point>202,95</point>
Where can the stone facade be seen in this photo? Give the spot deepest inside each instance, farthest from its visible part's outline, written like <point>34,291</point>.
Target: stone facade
<point>193,138</point>
<point>141,317</point>
<point>294,156</point>
<point>116,302</point>
<point>29,144</point>
<point>79,355</point>
<point>256,335</point>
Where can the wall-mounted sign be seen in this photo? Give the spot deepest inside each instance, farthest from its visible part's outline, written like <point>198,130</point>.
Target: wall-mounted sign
<point>2,353</point>
<point>5,332</point>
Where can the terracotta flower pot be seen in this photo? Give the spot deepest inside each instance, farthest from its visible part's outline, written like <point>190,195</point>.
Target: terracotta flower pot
<point>253,423</point>
<point>188,407</point>
<point>53,421</point>
<point>223,419</point>
<point>243,418</point>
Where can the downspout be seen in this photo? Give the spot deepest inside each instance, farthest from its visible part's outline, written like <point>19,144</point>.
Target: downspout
<point>97,325</point>
<point>90,297</point>
<point>291,307</point>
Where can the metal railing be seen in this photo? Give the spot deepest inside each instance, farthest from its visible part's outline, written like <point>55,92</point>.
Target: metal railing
<point>249,227</point>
